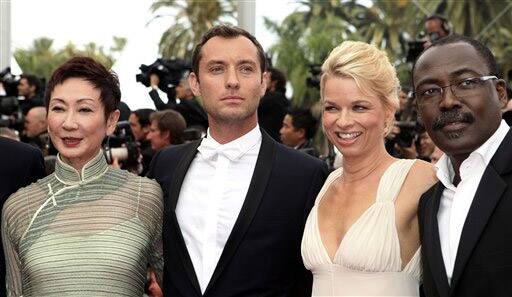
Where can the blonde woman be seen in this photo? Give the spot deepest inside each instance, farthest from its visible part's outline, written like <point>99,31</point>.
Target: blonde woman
<point>361,237</point>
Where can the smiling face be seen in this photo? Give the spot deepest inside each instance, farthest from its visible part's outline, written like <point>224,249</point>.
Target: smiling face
<point>76,121</point>
<point>354,122</point>
<point>230,81</point>
<point>457,125</point>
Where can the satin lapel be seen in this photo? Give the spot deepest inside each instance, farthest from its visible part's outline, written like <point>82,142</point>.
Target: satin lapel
<point>432,245</point>
<point>178,243</point>
<point>252,200</point>
<point>488,194</point>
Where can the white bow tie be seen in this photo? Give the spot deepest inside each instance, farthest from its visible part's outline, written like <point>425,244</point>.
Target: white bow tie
<point>209,148</point>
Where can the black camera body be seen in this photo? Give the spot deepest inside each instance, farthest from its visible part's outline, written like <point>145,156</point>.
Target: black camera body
<point>170,73</point>
<point>313,80</point>
<point>409,131</point>
<point>122,145</point>
<point>10,111</point>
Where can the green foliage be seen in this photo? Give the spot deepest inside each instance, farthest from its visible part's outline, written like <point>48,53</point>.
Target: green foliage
<point>41,59</point>
<point>190,20</point>
<point>307,35</point>
<point>305,38</point>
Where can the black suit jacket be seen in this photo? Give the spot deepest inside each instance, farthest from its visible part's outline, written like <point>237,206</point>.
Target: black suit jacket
<point>483,266</point>
<point>262,255</point>
<point>20,165</point>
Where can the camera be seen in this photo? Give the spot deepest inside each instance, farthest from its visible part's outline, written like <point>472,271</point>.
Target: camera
<point>313,80</point>
<point>122,146</point>
<point>170,73</point>
<point>10,111</point>
<point>408,132</point>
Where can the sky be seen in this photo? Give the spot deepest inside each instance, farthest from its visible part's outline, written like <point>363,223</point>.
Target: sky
<point>83,21</point>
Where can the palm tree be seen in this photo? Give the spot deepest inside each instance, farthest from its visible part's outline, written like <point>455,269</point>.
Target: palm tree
<point>489,21</point>
<point>41,59</point>
<point>191,19</point>
<point>305,39</point>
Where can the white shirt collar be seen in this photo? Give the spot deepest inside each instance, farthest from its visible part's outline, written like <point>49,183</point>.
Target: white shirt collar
<point>233,150</point>
<point>445,172</point>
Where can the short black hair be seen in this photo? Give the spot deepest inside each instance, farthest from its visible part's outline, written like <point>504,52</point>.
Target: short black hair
<point>280,79</point>
<point>226,31</point>
<point>32,81</point>
<point>95,73</point>
<point>482,50</point>
<point>302,118</point>
<point>143,115</point>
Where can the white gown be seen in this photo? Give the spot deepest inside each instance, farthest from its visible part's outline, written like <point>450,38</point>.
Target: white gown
<point>367,262</point>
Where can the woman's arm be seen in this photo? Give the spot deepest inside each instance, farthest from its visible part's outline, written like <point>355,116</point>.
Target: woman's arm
<point>12,262</point>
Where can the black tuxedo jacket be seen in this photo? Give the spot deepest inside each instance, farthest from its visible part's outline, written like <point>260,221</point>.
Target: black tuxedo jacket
<point>262,255</point>
<point>20,165</point>
<point>483,266</point>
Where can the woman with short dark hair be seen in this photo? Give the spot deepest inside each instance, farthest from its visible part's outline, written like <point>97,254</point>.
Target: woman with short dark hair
<point>87,229</point>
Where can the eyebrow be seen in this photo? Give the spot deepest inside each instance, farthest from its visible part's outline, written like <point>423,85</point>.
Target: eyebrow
<point>358,101</point>
<point>78,101</point>
<point>222,62</point>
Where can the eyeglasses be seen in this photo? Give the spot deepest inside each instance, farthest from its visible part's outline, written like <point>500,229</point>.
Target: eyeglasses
<point>463,88</point>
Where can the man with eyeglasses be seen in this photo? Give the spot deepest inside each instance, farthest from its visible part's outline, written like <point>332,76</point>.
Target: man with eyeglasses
<point>465,218</point>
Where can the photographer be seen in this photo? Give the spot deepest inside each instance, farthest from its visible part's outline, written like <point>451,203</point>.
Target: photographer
<point>182,100</point>
<point>30,88</point>
<point>298,129</point>
<point>167,127</point>
<point>273,105</point>
<point>401,141</point>
<point>436,27</point>
<point>140,125</point>
<point>35,131</point>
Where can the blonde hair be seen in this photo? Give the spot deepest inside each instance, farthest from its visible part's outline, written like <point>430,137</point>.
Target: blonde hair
<point>369,67</point>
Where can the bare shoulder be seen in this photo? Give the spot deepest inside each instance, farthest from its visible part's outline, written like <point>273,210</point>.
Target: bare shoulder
<point>420,178</point>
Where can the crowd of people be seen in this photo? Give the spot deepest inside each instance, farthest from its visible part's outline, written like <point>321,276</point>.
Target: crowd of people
<point>231,197</point>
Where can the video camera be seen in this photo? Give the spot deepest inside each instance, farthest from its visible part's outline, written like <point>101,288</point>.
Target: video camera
<point>170,73</point>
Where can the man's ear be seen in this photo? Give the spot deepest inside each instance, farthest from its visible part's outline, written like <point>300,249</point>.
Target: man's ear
<point>112,121</point>
<point>501,89</point>
<point>264,78</point>
<point>302,132</point>
<point>166,135</point>
<point>193,81</point>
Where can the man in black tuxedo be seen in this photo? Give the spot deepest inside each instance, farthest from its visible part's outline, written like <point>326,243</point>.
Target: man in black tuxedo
<point>465,218</point>
<point>20,165</point>
<point>236,202</point>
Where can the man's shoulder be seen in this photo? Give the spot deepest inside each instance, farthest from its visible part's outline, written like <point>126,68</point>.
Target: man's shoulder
<point>427,196</point>
<point>9,146</point>
<point>297,158</point>
<point>165,161</point>
<point>176,151</point>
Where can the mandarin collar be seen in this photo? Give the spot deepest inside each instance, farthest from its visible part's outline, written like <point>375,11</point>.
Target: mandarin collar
<point>68,175</point>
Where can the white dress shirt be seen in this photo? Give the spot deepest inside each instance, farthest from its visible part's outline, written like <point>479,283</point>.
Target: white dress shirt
<point>456,200</point>
<point>212,196</point>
